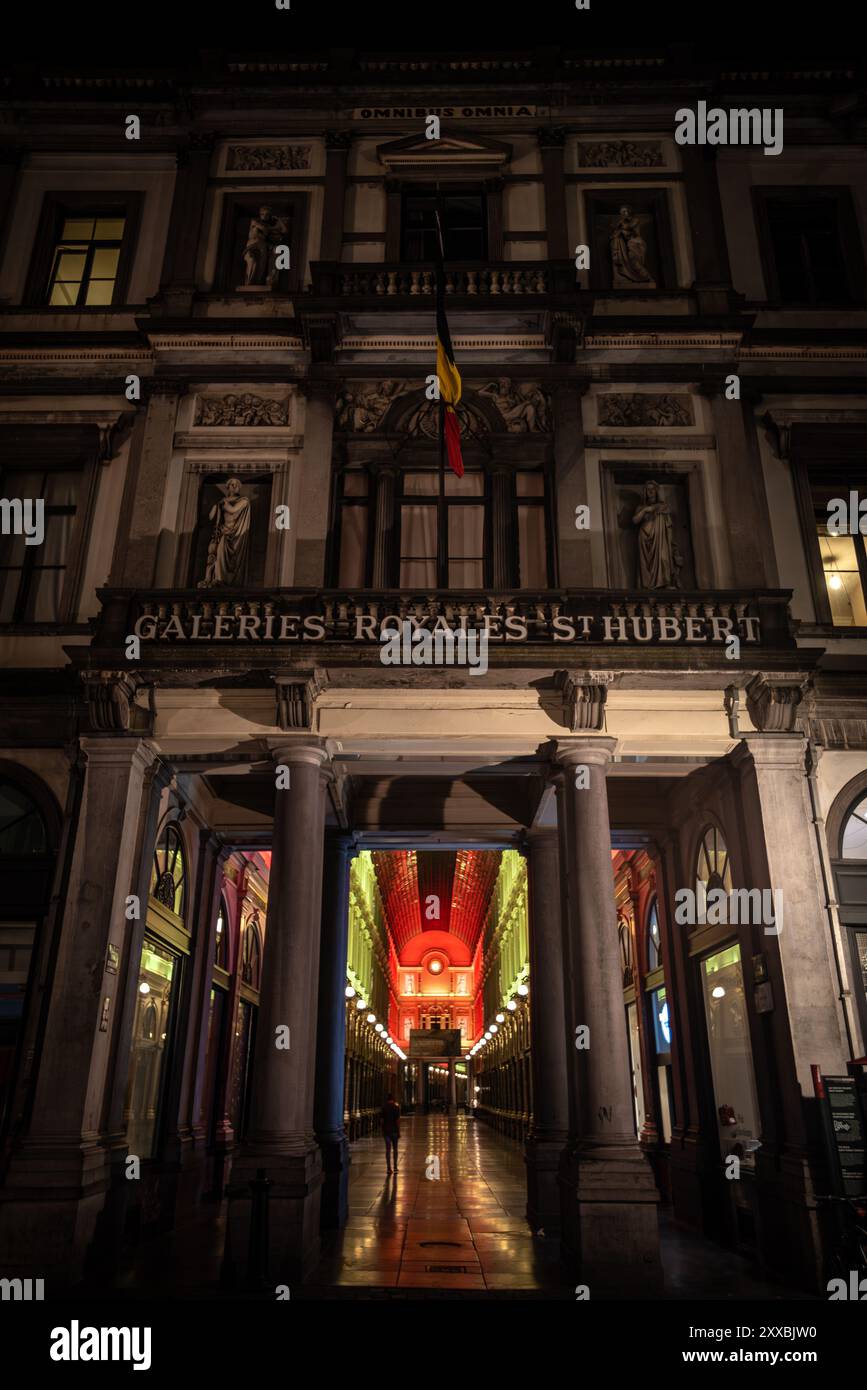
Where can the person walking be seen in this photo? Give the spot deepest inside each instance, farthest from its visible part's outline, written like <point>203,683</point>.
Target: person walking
<point>390,1129</point>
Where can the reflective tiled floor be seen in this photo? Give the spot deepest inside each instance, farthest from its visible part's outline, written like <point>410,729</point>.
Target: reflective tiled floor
<point>410,1236</point>
<point>453,1216</point>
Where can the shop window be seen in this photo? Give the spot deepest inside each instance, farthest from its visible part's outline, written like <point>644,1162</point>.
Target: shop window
<point>730,1054</point>
<point>251,953</point>
<point>221,943</point>
<point>168,876</point>
<point>624,937</point>
<point>157,980</point>
<point>654,943</point>
<point>635,1064</point>
<point>847,830</point>
<point>84,250</point>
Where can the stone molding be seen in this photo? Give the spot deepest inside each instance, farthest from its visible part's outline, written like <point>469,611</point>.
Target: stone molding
<point>584,696</point>
<point>110,700</point>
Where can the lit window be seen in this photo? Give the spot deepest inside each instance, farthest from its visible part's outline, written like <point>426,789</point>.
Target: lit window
<point>843,567</point>
<point>713,869</point>
<point>86,256</point>
<point>854,845</point>
<point>654,946</point>
<point>169,871</point>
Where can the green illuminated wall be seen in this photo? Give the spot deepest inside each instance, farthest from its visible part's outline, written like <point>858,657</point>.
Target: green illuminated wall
<point>506,952</point>
<point>367,955</point>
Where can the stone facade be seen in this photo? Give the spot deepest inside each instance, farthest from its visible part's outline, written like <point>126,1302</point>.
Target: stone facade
<point>276,435</point>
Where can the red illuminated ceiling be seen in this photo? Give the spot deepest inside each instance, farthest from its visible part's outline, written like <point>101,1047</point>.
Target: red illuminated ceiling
<point>462,883</point>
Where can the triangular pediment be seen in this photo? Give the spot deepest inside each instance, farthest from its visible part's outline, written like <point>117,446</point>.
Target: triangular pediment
<point>456,148</point>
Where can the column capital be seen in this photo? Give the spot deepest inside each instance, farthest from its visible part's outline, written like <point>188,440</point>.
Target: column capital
<point>295,752</point>
<point>541,835</point>
<point>120,750</point>
<point>769,750</point>
<point>597,749</point>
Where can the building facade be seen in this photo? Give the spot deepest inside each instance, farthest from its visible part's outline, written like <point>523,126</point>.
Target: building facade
<point>222,487</point>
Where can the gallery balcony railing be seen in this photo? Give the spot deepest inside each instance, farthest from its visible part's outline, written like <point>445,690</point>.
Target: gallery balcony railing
<point>402,280</point>
<point>263,621</point>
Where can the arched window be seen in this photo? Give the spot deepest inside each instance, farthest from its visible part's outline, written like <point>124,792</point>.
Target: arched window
<point>654,944</point>
<point>624,936</point>
<point>22,829</point>
<point>712,866</point>
<point>853,842</point>
<point>168,880</point>
<point>251,953</point>
<point>221,945</point>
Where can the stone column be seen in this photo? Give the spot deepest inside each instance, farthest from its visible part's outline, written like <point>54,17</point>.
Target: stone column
<point>384,528</point>
<point>713,277</point>
<point>744,499</point>
<point>548,1055</point>
<point>314,492</point>
<point>551,145</point>
<point>178,280</point>
<point>453,1088</point>
<point>504,551</point>
<point>156,453</point>
<point>337,144</point>
<point>281,1138</point>
<point>331,1030</point>
<point>58,1176</point>
<point>608,1194</point>
<point>576,563</point>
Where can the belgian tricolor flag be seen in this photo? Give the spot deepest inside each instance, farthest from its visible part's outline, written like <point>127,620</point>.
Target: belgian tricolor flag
<point>447,373</point>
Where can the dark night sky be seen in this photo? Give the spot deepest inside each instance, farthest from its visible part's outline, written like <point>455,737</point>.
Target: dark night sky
<point>164,34</point>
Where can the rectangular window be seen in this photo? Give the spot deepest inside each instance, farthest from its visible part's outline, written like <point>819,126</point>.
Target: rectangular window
<point>463,220</point>
<point>158,973</point>
<point>731,1057</point>
<point>32,577</point>
<point>844,568</point>
<point>83,252</point>
<point>810,245</point>
<point>443,531</point>
<point>86,257</point>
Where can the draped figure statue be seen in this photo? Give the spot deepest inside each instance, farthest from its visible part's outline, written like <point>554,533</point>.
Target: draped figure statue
<point>629,253</point>
<point>659,560</point>
<point>227,549</point>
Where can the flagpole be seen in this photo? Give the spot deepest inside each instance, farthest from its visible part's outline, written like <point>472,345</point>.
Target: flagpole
<point>442,548</point>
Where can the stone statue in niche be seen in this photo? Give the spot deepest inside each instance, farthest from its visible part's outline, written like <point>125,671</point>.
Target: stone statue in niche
<point>629,252</point>
<point>230,538</point>
<point>659,560</point>
<point>523,408</point>
<point>265,232</point>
